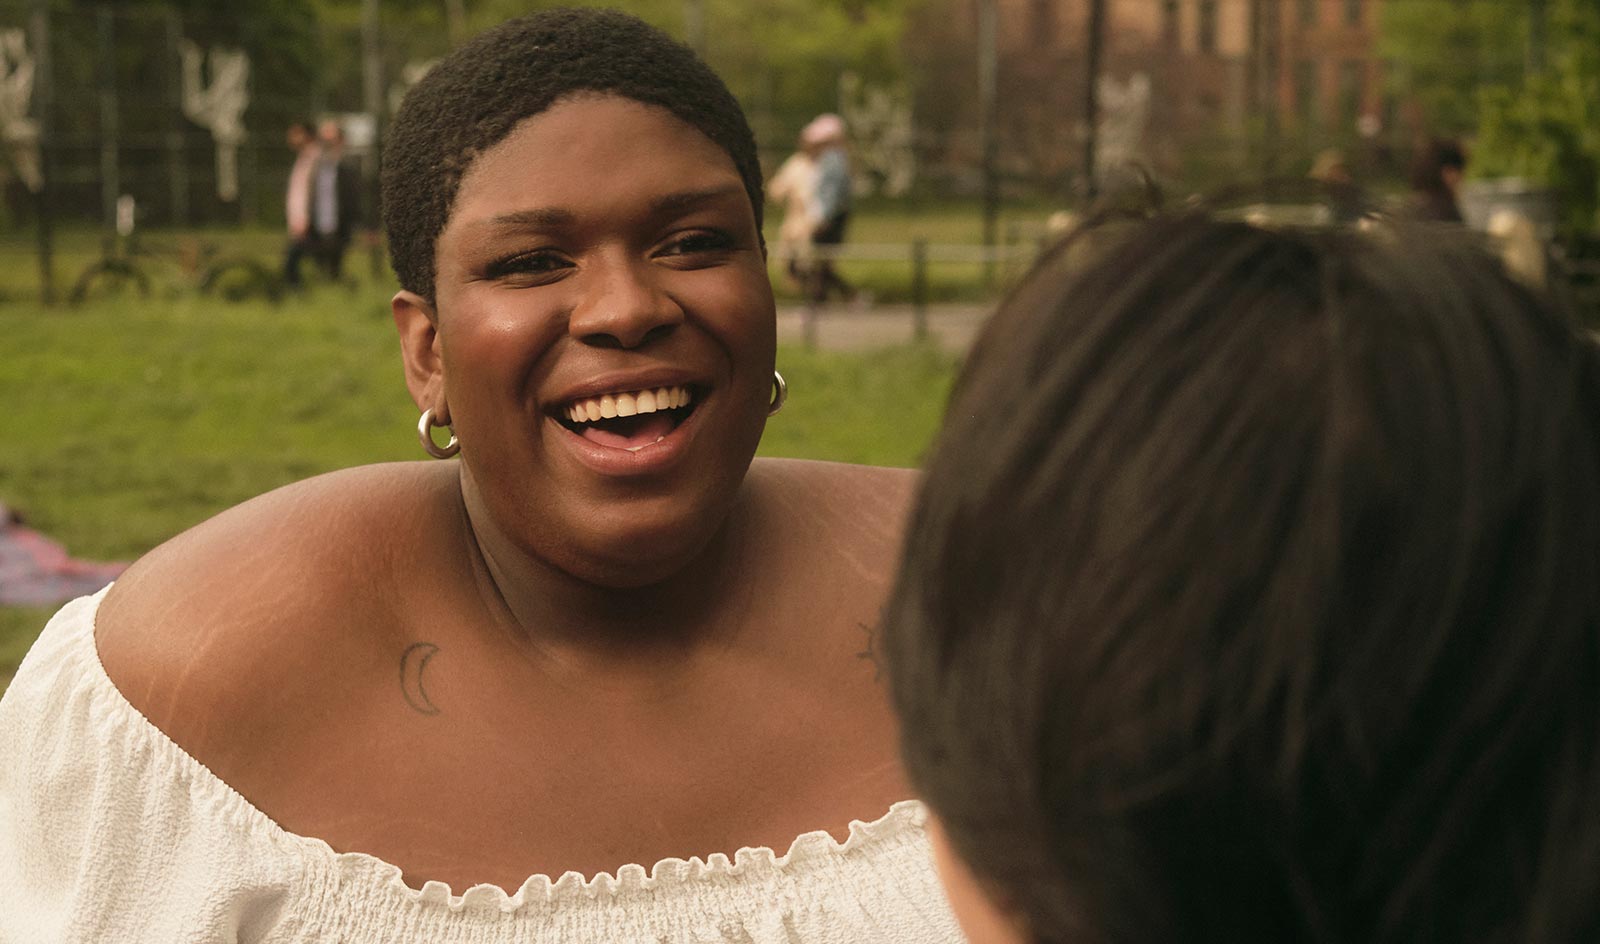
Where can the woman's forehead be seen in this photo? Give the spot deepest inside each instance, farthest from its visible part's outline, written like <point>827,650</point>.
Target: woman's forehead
<point>591,149</point>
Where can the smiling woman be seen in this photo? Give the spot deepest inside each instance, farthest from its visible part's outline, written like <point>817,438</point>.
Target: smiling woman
<point>597,676</point>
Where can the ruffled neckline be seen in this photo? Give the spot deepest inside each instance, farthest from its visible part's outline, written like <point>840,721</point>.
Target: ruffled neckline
<point>757,864</point>
<point>902,823</point>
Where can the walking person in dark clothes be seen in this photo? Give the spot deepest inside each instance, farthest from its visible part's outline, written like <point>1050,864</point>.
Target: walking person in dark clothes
<point>297,199</point>
<point>825,134</point>
<point>335,201</point>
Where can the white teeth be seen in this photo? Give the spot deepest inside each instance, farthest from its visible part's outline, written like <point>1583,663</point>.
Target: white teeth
<point>628,403</point>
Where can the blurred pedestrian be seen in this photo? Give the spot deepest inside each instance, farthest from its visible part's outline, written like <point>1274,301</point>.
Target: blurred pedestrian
<point>825,137</point>
<point>794,187</point>
<point>335,200</point>
<point>297,198</point>
<point>1436,173</point>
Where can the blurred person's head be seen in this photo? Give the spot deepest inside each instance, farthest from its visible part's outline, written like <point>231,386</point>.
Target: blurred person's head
<point>330,133</point>
<point>1330,167</point>
<point>1438,166</point>
<point>1252,596</point>
<point>822,132</point>
<point>298,135</point>
<point>476,97</point>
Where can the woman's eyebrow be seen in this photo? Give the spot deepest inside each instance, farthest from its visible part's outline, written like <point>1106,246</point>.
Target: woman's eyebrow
<point>538,217</point>
<point>554,217</point>
<point>688,198</point>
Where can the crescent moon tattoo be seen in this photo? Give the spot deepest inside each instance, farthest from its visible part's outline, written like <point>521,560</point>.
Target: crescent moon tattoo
<point>412,662</point>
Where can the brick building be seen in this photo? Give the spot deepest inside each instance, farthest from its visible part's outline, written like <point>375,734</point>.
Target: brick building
<point>1230,79</point>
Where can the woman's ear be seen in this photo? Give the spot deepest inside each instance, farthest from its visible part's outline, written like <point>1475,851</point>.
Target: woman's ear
<point>418,324</point>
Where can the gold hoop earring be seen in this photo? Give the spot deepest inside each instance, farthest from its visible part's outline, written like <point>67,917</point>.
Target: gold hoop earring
<point>425,427</point>
<point>780,393</point>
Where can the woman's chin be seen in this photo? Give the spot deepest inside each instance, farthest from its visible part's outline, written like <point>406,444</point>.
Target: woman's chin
<point>627,572</point>
<point>640,551</point>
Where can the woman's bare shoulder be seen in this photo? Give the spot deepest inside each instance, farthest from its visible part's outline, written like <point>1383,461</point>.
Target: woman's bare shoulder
<point>861,509</point>
<point>849,484</point>
<point>286,588</point>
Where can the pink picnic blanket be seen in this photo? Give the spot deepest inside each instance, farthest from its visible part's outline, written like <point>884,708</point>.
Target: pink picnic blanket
<point>36,571</point>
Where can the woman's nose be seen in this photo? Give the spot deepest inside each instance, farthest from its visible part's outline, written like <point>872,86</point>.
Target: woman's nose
<point>623,307</point>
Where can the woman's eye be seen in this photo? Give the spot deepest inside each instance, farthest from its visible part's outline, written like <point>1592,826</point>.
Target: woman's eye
<point>528,264</point>
<point>697,242</point>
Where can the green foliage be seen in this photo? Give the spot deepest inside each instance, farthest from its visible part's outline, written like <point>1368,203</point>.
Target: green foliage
<point>781,58</point>
<point>1547,128</point>
<point>1467,62</point>
<point>1443,51</point>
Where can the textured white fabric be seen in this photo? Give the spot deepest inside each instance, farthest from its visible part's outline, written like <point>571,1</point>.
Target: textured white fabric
<point>109,832</point>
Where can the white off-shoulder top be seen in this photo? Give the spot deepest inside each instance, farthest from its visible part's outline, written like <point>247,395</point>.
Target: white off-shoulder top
<point>109,832</point>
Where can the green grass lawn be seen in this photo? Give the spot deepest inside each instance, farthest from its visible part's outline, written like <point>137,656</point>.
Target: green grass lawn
<point>128,421</point>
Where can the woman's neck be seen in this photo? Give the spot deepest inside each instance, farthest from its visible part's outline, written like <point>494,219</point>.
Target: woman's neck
<point>570,618</point>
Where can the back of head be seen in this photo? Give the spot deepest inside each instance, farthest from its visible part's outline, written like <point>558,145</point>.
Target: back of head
<point>1431,161</point>
<point>1253,596</point>
<point>474,98</point>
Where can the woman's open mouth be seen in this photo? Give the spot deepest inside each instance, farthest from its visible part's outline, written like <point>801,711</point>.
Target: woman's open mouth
<point>632,419</point>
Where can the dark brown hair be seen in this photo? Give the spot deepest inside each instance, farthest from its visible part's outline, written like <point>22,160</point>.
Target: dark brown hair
<point>1254,592</point>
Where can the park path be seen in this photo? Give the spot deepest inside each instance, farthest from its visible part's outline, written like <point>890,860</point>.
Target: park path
<point>847,328</point>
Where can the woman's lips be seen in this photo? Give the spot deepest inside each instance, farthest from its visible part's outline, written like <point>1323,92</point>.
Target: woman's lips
<point>640,444</point>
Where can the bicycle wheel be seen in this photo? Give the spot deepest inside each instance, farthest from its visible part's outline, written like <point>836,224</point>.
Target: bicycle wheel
<point>239,279</point>
<point>109,278</point>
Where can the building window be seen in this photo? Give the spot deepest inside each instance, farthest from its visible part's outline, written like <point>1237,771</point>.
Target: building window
<point>1352,12</point>
<point>1308,12</point>
<point>1306,94</point>
<point>1351,73</point>
<point>1207,33</point>
<point>1043,25</point>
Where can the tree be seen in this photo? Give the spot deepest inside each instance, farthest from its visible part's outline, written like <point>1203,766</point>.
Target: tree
<point>1533,112</point>
<point>1546,128</point>
<point>1443,51</point>
<point>782,59</point>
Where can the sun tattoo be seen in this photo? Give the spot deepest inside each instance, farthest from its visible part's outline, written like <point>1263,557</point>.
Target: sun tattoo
<point>870,651</point>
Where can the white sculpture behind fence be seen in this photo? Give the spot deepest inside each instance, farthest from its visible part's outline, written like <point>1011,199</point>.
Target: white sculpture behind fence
<point>17,129</point>
<point>880,135</point>
<point>1124,119</point>
<point>219,107</point>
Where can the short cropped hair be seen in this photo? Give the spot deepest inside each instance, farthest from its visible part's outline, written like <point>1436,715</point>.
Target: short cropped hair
<point>1254,595</point>
<point>469,102</point>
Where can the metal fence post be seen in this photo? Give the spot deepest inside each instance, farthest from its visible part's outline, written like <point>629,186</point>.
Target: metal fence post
<point>988,106</point>
<point>919,289</point>
<point>110,185</point>
<point>372,100</point>
<point>177,166</point>
<point>44,98</point>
